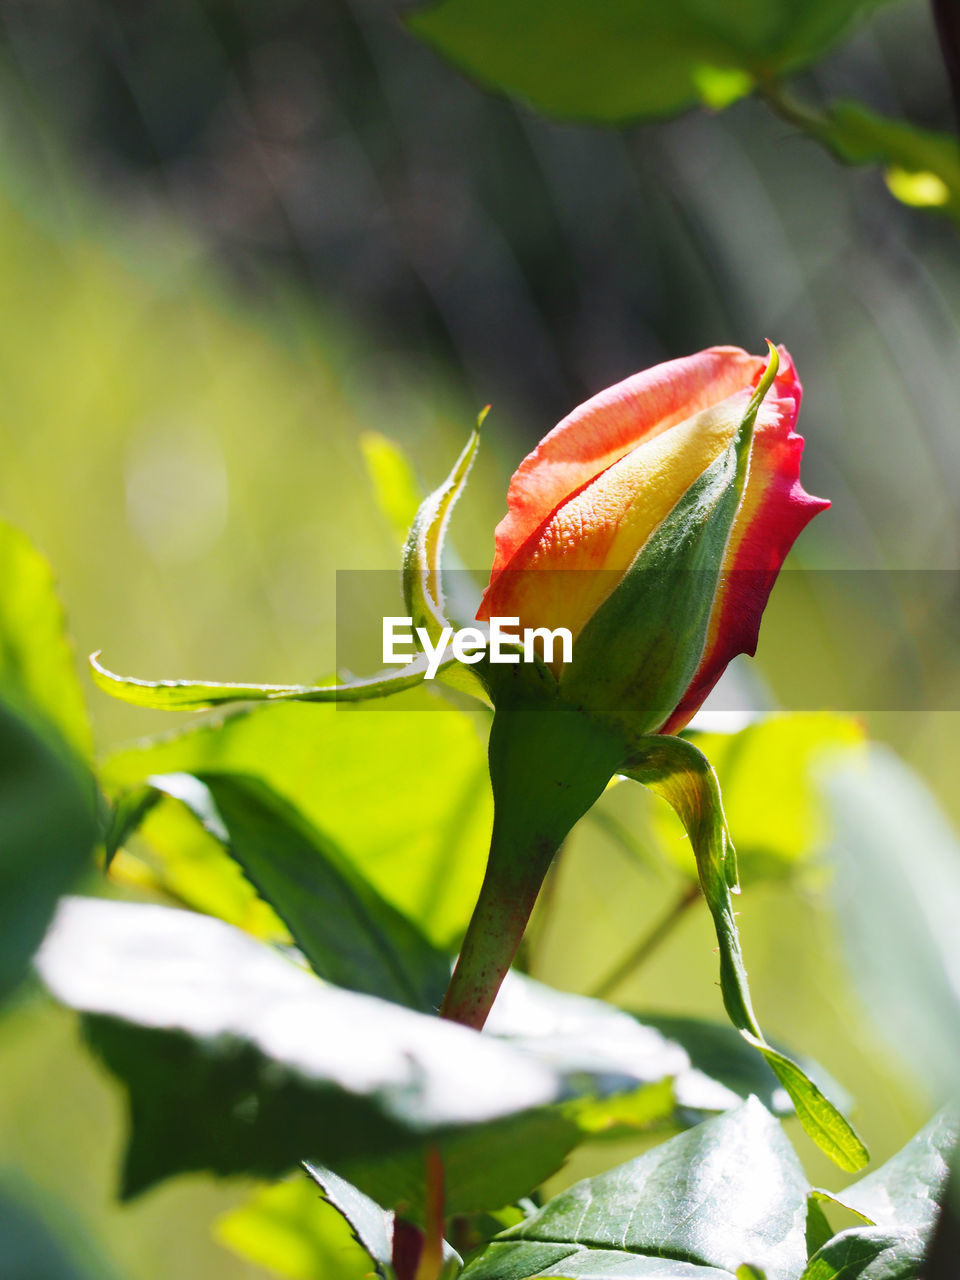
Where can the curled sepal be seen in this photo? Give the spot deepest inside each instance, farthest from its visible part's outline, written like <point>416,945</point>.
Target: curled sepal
<point>676,770</point>
<point>200,695</point>
<point>422,582</point>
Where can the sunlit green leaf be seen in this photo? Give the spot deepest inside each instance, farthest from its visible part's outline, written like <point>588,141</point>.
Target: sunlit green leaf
<point>907,1192</point>
<point>201,695</point>
<point>37,673</point>
<point>262,1064</point>
<point>634,1076</point>
<point>727,1192</point>
<point>292,1232</point>
<point>681,774</point>
<point>345,929</point>
<point>868,1253</point>
<point>418,778</point>
<point>630,59</point>
<point>47,836</point>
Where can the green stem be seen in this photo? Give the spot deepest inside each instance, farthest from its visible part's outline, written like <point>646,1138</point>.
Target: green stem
<point>813,123</point>
<point>647,945</point>
<point>548,764</point>
<point>510,888</point>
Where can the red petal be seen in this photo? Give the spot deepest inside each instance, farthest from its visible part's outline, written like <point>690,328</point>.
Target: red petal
<point>774,510</point>
<point>605,428</point>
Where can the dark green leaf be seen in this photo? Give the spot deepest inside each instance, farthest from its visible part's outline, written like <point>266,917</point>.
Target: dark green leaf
<point>37,675</point>
<point>819,1230</point>
<point>127,815</point>
<point>727,1192</point>
<point>868,1253</point>
<point>261,1064</point>
<point>47,835</point>
<point>630,59</point>
<point>350,934</point>
<point>676,770</point>
<point>419,780</point>
<point>483,1170</point>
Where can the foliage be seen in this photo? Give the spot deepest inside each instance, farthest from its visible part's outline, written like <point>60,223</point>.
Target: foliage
<point>617,63</point>
<point>299,1026</point>
<point>266,1001</point>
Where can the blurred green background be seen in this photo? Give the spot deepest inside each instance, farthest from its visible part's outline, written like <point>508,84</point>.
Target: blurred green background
<point>236,236</point>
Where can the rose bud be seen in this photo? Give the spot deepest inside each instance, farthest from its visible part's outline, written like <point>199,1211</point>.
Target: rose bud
<point>652,522</point>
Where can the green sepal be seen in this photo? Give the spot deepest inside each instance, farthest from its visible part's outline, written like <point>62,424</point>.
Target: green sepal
<point>422,562</point>
<point>637,655</point>
<point>423,551</point>
<point>676,770</point>
<point>201,695</point>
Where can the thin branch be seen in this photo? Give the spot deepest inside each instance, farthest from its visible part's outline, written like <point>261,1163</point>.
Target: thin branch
<point>641,953</point>
<point>813,123</point>
<point>430,1265</point>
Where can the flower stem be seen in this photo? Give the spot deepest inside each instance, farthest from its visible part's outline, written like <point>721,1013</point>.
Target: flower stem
<point>647,945</point>
<point>430,1266</point>
<point>510,888</point>
<point>548,764</point>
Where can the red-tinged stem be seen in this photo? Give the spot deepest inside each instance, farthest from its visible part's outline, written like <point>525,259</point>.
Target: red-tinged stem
<point>548,764</point>
<point>430,1266</point>
<point>507,896</point>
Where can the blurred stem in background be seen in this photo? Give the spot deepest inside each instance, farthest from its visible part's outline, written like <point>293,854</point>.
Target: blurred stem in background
<point>946,15</point>
<point>649,943</point>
